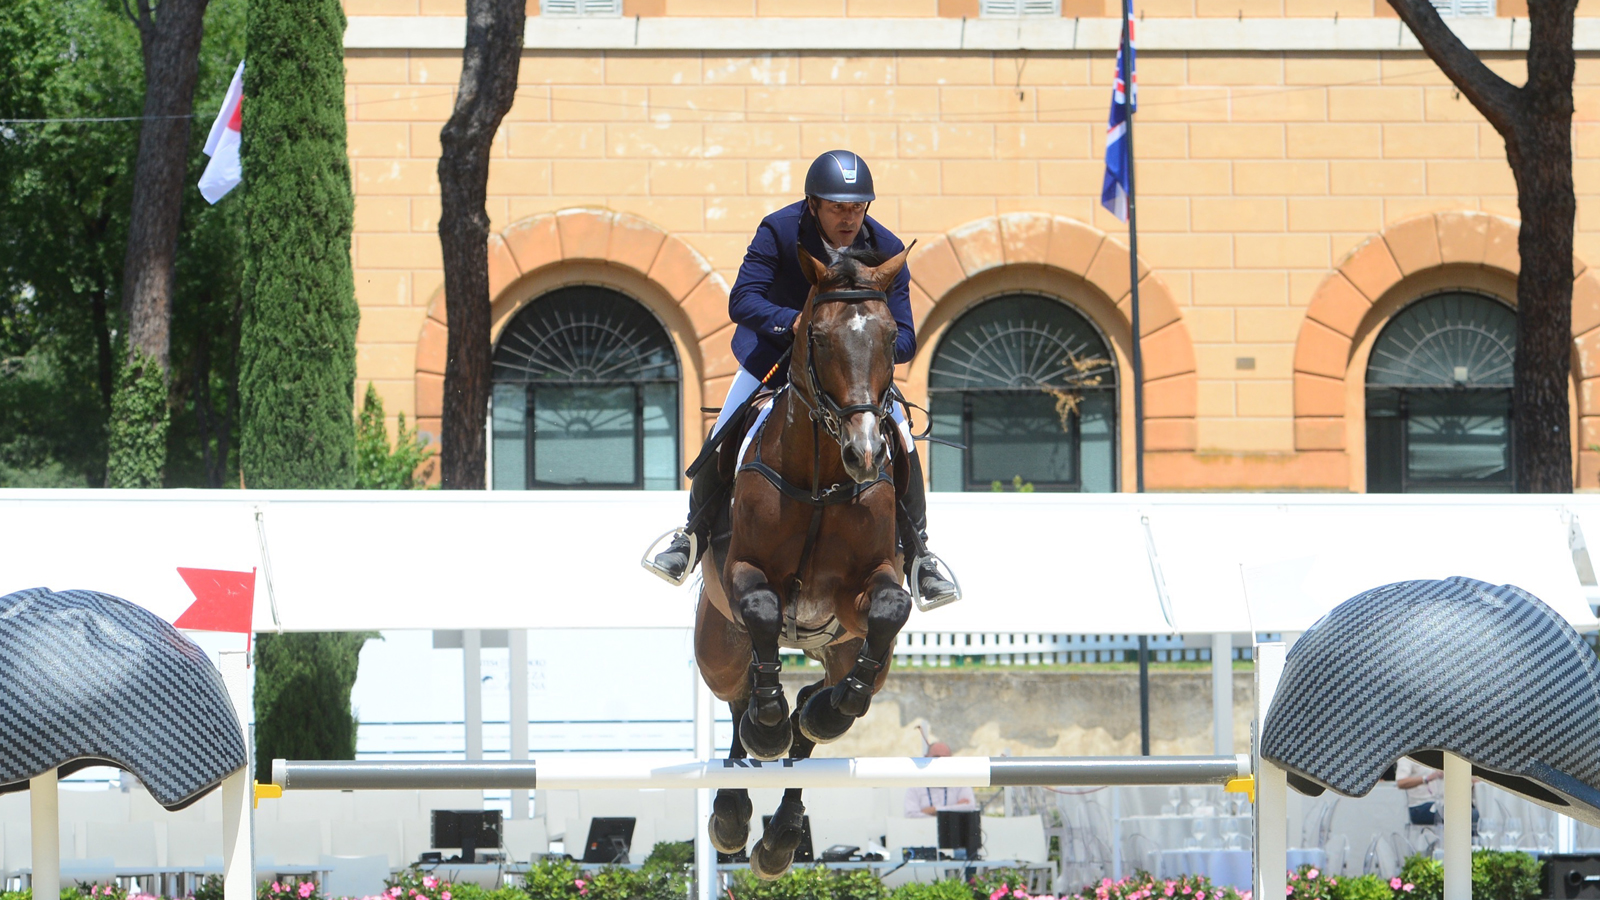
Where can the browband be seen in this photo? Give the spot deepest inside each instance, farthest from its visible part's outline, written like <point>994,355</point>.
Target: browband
<point>831,296</point>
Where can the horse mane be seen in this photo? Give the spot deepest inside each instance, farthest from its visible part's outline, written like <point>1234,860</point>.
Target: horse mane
<point>850,265</point>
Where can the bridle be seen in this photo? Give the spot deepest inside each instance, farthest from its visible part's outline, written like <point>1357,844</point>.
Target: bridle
<point>824,410</point>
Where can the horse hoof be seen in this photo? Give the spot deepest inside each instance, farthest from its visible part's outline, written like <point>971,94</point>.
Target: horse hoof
<point>774,853</point>
<point>820,722</point>
<point>769,865</point>
<point>852,703</point>
<point>766,742</point>
<point>729,828</point>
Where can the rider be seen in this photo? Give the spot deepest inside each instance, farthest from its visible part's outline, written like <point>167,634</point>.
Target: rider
<point>766,301</point>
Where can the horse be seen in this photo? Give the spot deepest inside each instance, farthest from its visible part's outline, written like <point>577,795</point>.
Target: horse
<point>807,558</point>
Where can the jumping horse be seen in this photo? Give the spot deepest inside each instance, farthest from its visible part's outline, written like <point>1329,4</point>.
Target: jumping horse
<point>807,558</point>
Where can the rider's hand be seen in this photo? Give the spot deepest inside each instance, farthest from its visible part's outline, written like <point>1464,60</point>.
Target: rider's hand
<point>796,323</point>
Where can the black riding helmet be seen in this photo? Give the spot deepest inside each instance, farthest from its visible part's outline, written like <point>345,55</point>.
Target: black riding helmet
<point>840,176</point>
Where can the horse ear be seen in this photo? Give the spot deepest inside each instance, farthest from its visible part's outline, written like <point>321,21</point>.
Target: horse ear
<point>814,271</point>
<point>885,274</point>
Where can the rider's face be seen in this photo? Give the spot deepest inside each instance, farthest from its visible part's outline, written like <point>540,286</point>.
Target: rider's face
<point>840,222</point>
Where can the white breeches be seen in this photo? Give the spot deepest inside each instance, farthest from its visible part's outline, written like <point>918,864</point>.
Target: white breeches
<point>744,384</point>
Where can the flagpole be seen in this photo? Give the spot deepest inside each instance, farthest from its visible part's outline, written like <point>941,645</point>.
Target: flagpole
<point>1128,88</point>
<point>1133,255</point>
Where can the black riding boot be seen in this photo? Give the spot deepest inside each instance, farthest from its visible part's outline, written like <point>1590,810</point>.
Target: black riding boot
<point>675,562</point>
<point>933,588</point>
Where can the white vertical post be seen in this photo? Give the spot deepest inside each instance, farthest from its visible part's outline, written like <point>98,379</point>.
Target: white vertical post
<point>1222,694</point>
<point>1566,834</point>
<point>238,795</point>
<point>705,856</point>
<point>1457,828</point>
<point>517,638</point>
<point>45,816</point>
<point>1272,784</point>
<point>1116,833</point>
<point>472,685</point>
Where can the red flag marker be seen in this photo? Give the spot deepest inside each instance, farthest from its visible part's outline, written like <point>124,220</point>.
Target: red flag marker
<point>223,600</point>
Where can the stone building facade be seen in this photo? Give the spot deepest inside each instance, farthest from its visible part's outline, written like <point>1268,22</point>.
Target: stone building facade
<point>1306,176</point>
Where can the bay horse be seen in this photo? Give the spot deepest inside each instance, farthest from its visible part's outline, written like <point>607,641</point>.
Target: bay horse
<point>809,558</point>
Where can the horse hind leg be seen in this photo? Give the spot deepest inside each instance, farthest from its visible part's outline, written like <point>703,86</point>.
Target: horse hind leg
<point>827,715</point>
<point>774,853</point>
<point>731,810</point>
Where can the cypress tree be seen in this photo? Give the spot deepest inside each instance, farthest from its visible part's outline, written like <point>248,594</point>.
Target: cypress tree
<point>302,696</point>
<point>297,347</point>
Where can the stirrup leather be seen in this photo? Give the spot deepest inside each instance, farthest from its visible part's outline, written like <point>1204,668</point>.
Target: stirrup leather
<point>648,560</point>
<point>926,603</point>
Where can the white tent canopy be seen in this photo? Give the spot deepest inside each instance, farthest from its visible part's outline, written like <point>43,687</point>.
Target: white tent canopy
<point>1086,564</point>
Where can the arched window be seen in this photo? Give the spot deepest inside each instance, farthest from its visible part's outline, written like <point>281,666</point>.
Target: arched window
<point>1028,385</point>
<point>585,395</point>
<point>1439,397</point>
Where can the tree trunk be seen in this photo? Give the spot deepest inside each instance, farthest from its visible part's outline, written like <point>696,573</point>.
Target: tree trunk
<point>488,88</point>
<point>170,37</point>
<point>1536,122</point>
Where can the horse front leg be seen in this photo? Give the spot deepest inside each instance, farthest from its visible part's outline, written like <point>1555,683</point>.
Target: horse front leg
<point>731,810</point>
<point>764,730</point>
<point>774,853</point>
<point>828,714</point>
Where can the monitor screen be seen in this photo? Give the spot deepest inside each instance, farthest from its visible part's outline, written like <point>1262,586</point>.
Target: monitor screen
<point>961,830</point>
<point>609,839</point>
<point>468,830</point>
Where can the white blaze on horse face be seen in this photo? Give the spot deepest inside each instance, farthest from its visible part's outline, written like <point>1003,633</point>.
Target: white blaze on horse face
<point>858,322</point>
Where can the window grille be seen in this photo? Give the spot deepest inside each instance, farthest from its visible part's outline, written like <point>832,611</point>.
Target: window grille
<point>1013,8</point>
<point>580,7</point>
<point>1464,8</point>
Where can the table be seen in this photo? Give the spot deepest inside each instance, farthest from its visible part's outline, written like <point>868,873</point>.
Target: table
<point>1224,867</point>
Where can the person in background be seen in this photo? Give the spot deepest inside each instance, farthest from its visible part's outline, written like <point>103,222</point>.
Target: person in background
<point>1424,787</point>
<point>923,803</point>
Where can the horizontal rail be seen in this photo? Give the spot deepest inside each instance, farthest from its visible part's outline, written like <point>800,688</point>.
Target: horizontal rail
<point>584,773</point>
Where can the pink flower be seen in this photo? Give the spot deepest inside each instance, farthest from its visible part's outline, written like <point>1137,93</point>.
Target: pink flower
<point>1394,883</point>
<point>94,891</point>
<point>428,881</point>
<point>1288,891</point>
<point>445,896</point>
<point>1170,889</point>
<point>1020,894</point>
<point>276,887</point>
<point>1200,895</point>
<point>1408,888</point>
<point>1313,873</point>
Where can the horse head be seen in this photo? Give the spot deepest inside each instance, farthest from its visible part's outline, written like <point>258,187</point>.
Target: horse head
<point>843,362</point>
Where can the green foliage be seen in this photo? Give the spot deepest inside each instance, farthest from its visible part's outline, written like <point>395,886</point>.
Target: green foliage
<point>1017,484</point>
<point>553,879</point>
<point>1498,875</point>
<point>1143,884</point>
<point>377,466</point>
<point>286,890</point>
<point>1425,877</point>
<point>1363,887</point>
<point>139,418</point>
<point>209,888</point>
<point>810,883</point>
<point>302,696</point>
<point>65,190</point>
<point>1309,883</point>
<point>671,855</point>
<point>297,368</point>
<point>938,890</point>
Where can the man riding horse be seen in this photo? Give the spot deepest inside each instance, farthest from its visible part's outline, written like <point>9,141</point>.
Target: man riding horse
<point>766,302</point>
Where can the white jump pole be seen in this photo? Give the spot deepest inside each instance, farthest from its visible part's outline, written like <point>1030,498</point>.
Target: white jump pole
<point>1457,828</point>
<point>238,796</point>
<point>517,640</point>
<point>44,803</point>
<point>1272,784</point>
<point>600,772</point>
<point>705,855</point>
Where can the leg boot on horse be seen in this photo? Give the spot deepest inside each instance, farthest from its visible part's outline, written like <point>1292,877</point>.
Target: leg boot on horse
<point>827,714</point>
<point>729,828</point>
<point>764,729</point>
<point>774,853</point>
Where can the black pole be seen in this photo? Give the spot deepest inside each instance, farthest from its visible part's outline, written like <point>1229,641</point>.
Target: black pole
<point>1144,695</point>
<point>1138,356</point>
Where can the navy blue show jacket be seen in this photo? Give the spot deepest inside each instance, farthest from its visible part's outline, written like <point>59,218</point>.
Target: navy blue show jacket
<point>771,288</point>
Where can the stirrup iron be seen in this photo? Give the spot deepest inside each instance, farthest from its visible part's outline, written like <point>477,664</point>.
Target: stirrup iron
<point>648,560</point>
<point>926,603</point>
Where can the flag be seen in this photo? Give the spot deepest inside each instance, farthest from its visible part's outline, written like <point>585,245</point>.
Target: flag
<point>222,145</point>
<point>1124,102</point>
<point>222,600</point>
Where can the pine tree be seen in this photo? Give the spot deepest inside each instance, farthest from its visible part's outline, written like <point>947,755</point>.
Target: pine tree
<point>297,347</point>
<point>302,696</point>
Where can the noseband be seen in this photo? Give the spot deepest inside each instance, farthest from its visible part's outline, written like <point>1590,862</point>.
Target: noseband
<point>825,411</point>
